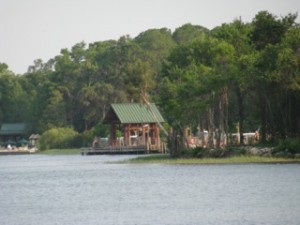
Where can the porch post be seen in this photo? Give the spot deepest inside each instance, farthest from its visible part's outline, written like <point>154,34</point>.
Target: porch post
<point>127,134</point>
<point>113,135</point>
<point>158,141</point>
<point>143,135</point>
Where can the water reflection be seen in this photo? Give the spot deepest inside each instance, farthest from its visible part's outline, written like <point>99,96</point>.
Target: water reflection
<point>85,190</point>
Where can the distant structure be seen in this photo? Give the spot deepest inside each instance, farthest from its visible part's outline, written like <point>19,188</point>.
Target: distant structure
<point>135,125</point>
<point>33,138</point>
<point>11,133</point>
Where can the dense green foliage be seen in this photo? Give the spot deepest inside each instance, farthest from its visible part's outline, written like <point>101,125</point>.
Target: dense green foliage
<point>244,75</point>
<point>288,146</point>
<point>57,138</point>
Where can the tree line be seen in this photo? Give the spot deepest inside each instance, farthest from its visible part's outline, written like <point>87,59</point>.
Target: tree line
<point>237,76</point>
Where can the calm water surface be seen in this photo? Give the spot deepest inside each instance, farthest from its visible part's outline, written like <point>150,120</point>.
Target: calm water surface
<point>77,190</point>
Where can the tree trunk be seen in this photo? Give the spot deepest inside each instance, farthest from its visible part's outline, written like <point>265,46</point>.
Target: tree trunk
<point>241,114</point>
<point>263,117</point>
<point>222,118</point>
<point>211,126</point>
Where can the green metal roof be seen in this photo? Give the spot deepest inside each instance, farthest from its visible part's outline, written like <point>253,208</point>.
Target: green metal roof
<point>135,113</point>
<point>12,128</point>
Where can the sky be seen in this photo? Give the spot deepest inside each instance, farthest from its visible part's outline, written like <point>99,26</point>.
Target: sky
<point>39,29</point>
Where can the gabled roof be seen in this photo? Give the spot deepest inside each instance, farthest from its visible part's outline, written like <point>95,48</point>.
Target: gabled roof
<point>12,128</point>
<point>34,136</point>
<point>125,113</point>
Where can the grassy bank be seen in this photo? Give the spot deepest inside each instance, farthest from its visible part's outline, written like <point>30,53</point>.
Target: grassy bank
<point>165,159</point>
<point>76,151</point>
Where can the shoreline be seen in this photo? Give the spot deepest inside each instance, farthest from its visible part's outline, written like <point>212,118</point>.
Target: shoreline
<point>73,151</point>
<point>165,159</point>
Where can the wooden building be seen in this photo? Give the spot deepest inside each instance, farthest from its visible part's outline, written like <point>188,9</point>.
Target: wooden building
<point>138,124</point>
<point>11,133</point>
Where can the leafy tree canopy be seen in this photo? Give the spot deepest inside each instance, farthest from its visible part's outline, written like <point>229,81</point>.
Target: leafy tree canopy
<point>237,73</point>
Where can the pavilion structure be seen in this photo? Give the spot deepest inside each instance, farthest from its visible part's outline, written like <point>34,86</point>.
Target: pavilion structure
<point>11,133</point>
<point>134,125</point>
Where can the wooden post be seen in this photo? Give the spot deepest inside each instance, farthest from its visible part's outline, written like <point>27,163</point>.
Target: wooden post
<point>158,143</point>
<point>127,134</point>
<point>143,135</point>
<point>113,135</point>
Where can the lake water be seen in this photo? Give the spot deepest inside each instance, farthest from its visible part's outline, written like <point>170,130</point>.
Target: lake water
<point>77,190</point>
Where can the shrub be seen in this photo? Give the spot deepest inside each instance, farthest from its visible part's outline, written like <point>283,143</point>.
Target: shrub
<point>199,152</point>
<point>290,145</point>
<point>217,153</point>
<point>100,130</point>
<point>58,138</point>
<point>236,150</point>
<point>85,139</point>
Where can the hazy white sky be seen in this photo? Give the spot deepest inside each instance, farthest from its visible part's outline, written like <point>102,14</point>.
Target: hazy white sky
<point>33,29</point>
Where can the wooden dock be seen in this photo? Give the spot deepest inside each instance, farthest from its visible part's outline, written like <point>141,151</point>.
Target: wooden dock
<point>125,150</point>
